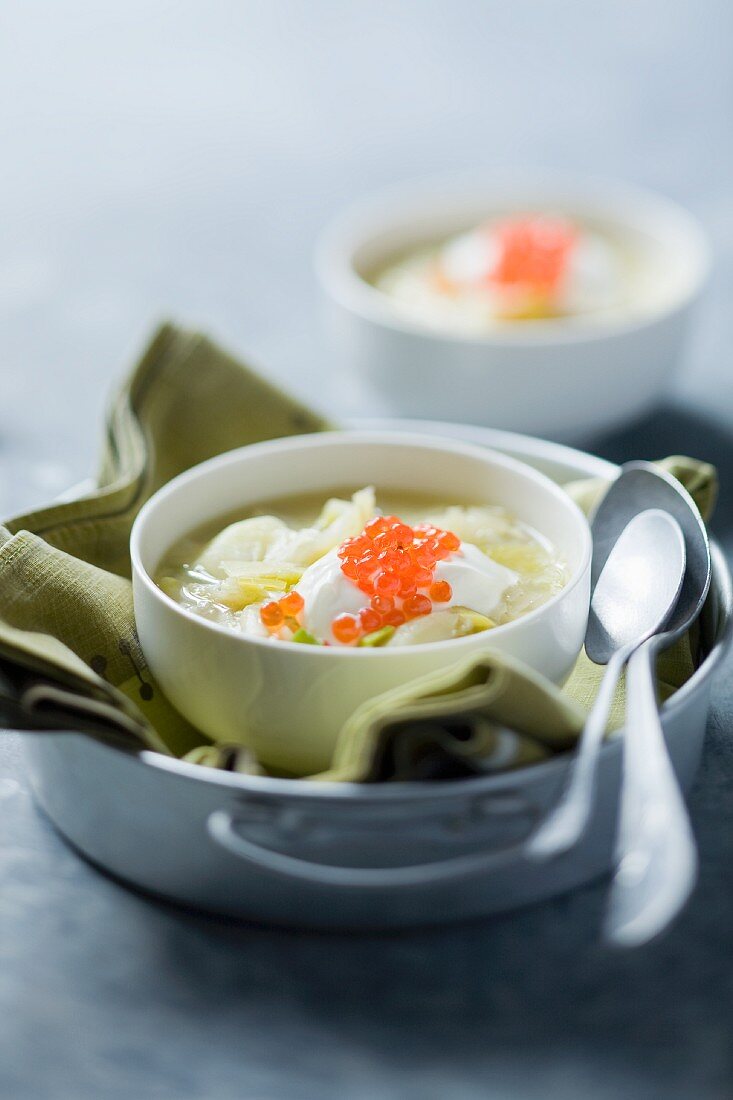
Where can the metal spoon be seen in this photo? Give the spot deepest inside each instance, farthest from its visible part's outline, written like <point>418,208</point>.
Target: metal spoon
<point>657,858</point>
<point>633,597</point>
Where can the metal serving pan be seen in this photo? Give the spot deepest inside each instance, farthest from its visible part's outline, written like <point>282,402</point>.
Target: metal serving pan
<point>323,855</point>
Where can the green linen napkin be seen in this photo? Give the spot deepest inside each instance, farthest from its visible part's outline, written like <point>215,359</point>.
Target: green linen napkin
<point>69,653</point>
<point>66,617</point>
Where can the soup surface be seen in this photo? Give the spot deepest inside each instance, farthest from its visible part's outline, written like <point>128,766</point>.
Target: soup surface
<point>518,269</point>
<point>362,569</point>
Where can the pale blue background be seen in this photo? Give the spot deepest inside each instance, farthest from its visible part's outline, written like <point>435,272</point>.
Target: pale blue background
<point>179,159</point>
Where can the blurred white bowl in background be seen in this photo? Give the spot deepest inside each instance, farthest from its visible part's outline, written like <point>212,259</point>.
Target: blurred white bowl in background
<point>564,377</point>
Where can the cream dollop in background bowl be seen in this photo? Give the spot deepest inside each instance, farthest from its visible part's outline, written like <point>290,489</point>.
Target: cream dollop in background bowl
<point>562,377</point>
<point>289,701</point>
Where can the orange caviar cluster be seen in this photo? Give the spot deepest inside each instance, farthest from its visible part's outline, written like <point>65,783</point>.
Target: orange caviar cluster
<point>286,610</point>
<point>390,562</point>
<point>533,252</point>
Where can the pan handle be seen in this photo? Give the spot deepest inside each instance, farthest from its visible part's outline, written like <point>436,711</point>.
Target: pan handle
<point>222,827</point>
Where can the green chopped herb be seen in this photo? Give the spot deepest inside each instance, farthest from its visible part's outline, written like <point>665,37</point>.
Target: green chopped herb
<point>304,637</point>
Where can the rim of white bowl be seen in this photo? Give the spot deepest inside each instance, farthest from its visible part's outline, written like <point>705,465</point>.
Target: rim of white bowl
<point>332,438</point>
<point>392,207</point>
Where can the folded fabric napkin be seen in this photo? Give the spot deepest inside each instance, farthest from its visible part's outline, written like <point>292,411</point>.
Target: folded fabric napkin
<point>66,618</point>
<point>69,653</point>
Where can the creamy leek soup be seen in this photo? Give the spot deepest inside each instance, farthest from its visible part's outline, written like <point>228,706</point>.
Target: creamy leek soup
<point>362,569</point>
<point>522,268</point>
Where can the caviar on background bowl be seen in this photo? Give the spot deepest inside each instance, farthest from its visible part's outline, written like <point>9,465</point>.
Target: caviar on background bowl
<point>525,300</point>
<point>287,700</point>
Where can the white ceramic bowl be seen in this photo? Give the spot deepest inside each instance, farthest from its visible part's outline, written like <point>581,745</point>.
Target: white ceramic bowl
<point>288,701</point>
<point>561,378</point>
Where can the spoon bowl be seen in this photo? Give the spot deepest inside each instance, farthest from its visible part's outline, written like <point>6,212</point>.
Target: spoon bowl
<point>644,486</point>
<point>639,586</point>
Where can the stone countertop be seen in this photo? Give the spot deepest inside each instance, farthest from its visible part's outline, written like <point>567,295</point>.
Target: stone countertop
<point>180,160</point>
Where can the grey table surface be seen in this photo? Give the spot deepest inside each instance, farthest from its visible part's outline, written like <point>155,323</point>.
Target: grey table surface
<point>179,159</point>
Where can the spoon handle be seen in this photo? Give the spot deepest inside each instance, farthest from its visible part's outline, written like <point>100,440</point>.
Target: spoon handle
<point>656,853</point>
<point>567,821</point>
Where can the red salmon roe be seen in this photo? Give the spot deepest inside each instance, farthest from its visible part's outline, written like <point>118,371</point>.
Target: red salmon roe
<point>440,591</point>
<point>354,548</point>
<point>374,527</point>
<point>449,541</point>
<point>390,562</point>
<point>402,561</point>
<point>271,614</point>
<point>387,584</point>
<point>370,619</point>
<point>365,571</point>
<point>345,628</point>
<point>385,542</point>
<point>417,605</point>
<point>533,251</point>
<point>287,609</point>
<point>403,534</point>
<point>425,556</point>
<point>292,604</point>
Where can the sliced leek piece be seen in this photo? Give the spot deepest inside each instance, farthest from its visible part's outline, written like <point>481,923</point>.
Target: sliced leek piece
<point>526,558</point>
<point>441,626</point>
<point>377,637</point>
<point>249,592</point>
<point>339,520</point>
<point>478,622</point>
<point>483,525</point>
<point>246,540</point>
<point>233,594</point>
<point>263,572</point>
<point>358,510</point>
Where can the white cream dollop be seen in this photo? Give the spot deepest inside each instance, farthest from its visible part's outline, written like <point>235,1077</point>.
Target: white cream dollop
<point>327,593</point>
<point>469,258</point>
<point>477,583</point>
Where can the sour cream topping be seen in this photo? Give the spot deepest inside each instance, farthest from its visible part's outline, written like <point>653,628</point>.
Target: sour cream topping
<point>476,581</point>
